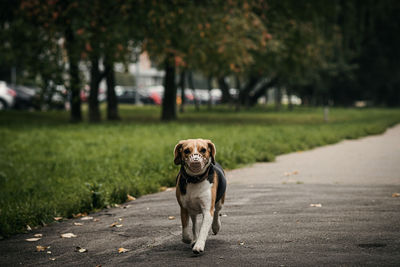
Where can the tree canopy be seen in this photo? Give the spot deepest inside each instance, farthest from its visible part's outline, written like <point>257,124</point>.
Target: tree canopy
<point>326,52</point>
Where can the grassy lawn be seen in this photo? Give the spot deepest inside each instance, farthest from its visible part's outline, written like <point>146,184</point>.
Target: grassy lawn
<point>49,167</point>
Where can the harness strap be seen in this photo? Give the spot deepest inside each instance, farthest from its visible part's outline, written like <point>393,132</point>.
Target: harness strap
<point>209,175</point>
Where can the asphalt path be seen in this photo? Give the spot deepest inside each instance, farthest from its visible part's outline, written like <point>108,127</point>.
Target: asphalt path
<point>334,205</point>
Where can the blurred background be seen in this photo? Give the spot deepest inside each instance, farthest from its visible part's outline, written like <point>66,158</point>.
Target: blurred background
<point>58,54</point>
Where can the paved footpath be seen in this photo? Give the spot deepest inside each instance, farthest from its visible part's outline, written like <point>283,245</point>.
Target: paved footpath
<point>267,219</point>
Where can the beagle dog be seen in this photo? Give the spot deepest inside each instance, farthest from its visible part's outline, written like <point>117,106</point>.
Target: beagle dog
<point>200,189</point>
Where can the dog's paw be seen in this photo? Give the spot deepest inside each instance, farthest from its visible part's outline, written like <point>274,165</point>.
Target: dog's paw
<point>216,226</point>
<point>198,247</point>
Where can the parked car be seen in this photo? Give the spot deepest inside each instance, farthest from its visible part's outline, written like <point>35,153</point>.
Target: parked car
<point>85,93</point>
<point>27,97</point>
<point>7,96</point>
<point>127,95</point>
<point>130,95</point>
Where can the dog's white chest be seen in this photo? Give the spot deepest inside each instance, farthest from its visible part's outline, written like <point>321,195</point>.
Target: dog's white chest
<point>197,197</point>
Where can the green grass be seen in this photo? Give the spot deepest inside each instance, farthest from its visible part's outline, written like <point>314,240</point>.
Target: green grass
<point>49,167</point>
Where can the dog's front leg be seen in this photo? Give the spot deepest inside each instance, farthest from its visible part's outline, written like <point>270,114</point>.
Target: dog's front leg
<point>185,229</point>
<point>195,229</point>
<point>205,228</point>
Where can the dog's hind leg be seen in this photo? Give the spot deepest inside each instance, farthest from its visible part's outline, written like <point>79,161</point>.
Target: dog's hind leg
<point>216,224</point>
<point>195,229</point>
<point>185,229</point>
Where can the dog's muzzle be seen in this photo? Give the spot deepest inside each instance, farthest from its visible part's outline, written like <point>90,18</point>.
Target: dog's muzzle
<point>196,162</point>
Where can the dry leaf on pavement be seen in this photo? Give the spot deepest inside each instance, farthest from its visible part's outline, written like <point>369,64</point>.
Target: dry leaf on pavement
<point>33,239</point>
<point>58,218</point>
<point>396,195</point>
<point>122,250</point>
<point>316,205</point>
<point>80,250</point>
<point>68,235</point>
<point>41,248</point>
<point>116,224</point>
<point>78,224</point>
<point>130,198</point>
<point>37,235</point>
<point>86,218</point>
<point>79,215</point>
<point>171,218</point>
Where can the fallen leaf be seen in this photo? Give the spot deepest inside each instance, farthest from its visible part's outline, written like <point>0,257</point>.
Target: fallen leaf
<point>52,259</point>
<point>120,219</point>
<point>396,195</point>
<point>291,173</point>
<point>28,228</point>
<point>68,235</point>
<point>117,205</point>
<point>79,215</point>
<point>241,243</point>
<point>78,224</point>
<point>122,250</point>
<point>80,250</point>
<point>316,205</point>
<point>33,239</point>
<point>49,252</point>
<point>58,218</point>
<point>37,235</point>
<point>41,248</point>
<point>171,218</point>
<point>116,224</point>
<point>130,198</point>
<point>96,220</point>
<point>86,218</point>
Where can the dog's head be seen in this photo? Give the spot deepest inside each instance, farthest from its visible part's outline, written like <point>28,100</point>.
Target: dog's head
<point>195,154</point>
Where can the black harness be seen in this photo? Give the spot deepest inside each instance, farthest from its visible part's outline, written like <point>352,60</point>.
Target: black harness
<point>209,175</point>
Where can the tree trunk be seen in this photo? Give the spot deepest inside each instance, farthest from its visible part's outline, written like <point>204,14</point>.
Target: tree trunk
<point>112,102</point>
<point>262,91</point>
<point>182,86</point>
<point>244,95</point>
<point>169,100</point>
<point>278,98</point>
<point>74,80</point>
<point>289,95</point>
<point>95,79</point>
<point>191,85</point>
<point>226,96</point>
<point>209,83</point>
<point>238,86</point>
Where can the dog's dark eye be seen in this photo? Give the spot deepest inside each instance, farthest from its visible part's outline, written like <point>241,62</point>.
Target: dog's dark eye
<point>186,151</point>
<point>203,150</point>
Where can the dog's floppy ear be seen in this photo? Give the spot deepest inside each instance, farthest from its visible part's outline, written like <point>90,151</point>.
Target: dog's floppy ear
<point>177,153</point>
<point>211,146</point>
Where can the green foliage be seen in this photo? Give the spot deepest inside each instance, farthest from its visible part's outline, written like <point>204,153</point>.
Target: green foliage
<point>51,168</point>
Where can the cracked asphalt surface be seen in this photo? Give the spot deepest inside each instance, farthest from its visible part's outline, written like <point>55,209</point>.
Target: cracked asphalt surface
<point>267,218</point>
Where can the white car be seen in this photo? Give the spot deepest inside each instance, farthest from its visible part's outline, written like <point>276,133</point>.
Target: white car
<point>7,96</point>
